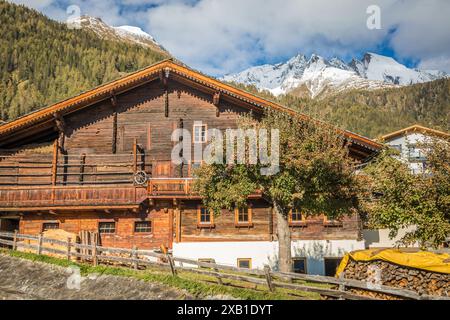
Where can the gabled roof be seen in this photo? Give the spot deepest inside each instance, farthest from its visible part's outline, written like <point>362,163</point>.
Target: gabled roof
<point>151,73</point>
<point>415,128</point>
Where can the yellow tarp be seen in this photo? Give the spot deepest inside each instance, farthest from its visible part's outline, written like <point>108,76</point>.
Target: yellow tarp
<point>420,260</point>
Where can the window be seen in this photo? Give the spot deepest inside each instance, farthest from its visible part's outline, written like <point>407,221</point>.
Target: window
<point>200,132</point>
<point>245,263</point>
<point>332,222</point>
<point>415,153</point>
<point>331,265</point>
<point>50,226</point>
<point>143,227</point>
<point>297,218</point>
<point>106,227</point>
<point>299,265</point>
<point>397,147</point>
<point>204,217</point>
<point>243,216</point>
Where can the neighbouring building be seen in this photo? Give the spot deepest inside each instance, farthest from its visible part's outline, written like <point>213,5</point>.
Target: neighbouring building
<point>408,143</point>
<point>81,164</point>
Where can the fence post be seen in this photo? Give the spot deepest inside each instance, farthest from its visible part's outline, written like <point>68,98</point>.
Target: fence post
<point>172,264</point>
<point>94,240</point>
<point>135,258</point>
<point>169,259</point>
<point>69,244</point>
<point>341,285</point>
<point>15,240</point>
<point>269,278</point>
<point>219,278</point>
<point>39,248</point>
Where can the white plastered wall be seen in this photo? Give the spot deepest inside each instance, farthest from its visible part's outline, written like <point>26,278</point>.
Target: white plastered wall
<point>265,252</point>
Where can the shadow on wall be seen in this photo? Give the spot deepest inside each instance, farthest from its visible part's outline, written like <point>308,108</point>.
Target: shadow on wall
<point>380,238</point>
<point>314,252</point>
<point>371,237</point>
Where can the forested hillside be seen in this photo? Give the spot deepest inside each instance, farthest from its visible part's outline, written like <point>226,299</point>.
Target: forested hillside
<point>377,112</point>
<point>42,61</point>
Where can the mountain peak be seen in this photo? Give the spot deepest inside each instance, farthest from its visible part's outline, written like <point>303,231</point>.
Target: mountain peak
<point>136,31</point>
<point>316,59</point>
<point>131,34</point>
<point>319,75</point>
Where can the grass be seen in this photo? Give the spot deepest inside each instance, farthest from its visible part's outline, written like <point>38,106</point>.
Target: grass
<point>199,286</point>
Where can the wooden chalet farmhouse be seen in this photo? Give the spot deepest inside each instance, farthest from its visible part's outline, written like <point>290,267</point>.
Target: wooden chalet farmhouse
<point>77,165</point>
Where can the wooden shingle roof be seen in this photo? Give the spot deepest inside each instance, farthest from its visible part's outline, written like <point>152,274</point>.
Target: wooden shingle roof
<point>416,128</point>
<point>151,73</point>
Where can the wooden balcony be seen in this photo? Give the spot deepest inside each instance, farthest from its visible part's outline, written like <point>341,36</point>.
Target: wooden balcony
<point>36,181</point>
<point>170,187</point>
<point>35,198</point>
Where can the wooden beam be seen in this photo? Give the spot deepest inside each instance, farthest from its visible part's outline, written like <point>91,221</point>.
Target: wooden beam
<point>271,224</point>
<point>82,163</point>
<point>163,79</point>
<point>149,136</point>
<point>113,100</point>
<point>135,150</point>
<point>72,208</point>
<point>61,126</point>
<point>166,103</point>
<point>55,162</point>
<point>177,224</point>
<point>170,228</point>
<point>114,128</point>
<point>216,102</point>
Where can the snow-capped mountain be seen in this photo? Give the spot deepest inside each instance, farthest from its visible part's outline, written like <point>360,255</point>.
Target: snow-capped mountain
<point>320,76</point>
<point>121,33</point>
<point>377,67</point>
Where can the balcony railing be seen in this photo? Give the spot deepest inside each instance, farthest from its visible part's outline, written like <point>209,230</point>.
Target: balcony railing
<point>170,186</point>
<point>35,180</point>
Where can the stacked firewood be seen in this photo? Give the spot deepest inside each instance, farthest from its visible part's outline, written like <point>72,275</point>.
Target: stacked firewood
<point>389,274</point>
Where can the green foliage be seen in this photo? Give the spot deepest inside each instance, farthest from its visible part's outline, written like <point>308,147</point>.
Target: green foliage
<point>405,199</point>
<point>315,171</point>
<point>377,112</point>
<point>42,61</point>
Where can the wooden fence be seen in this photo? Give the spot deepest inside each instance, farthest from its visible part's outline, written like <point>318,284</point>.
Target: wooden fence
<point>270,278</point>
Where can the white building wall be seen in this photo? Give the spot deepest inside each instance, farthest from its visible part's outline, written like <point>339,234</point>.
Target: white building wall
<point>405,141</point>
<point>265,252</point>
<point>380,238</point>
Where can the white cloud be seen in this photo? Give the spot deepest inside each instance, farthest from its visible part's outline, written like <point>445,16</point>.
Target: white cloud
<point>422,28</point>
<point>228,35</point>
<point>221,36</point>
<point>441,63</point>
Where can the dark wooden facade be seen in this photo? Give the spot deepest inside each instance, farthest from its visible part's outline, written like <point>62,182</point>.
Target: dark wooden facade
<point>74,162</point>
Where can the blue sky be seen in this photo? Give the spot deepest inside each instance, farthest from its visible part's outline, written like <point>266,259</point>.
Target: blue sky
<point>226,36</point>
